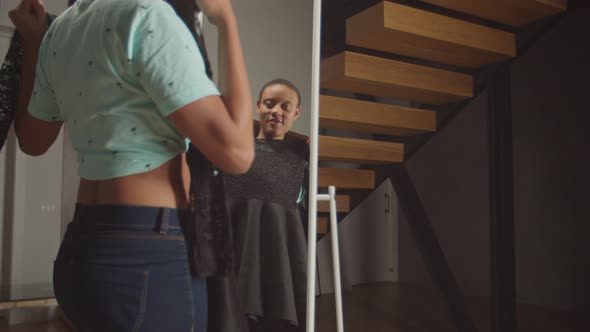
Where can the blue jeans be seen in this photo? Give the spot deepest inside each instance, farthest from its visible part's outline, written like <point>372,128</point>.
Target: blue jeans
<point>125,269</point>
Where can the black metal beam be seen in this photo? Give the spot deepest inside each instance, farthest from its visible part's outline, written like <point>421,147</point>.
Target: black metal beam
<point>430,248</point>
<point>503,279</point>
<point>575,5</point>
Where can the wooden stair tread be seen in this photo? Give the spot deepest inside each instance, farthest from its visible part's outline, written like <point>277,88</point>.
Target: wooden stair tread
<point>413,32</point>
<point>346,178</point>
<point>370,117</point>
<point>342,204</point>
<point>359,151</point>
<point>360,73</point>
<point>28,303</point>
<point>510,12</point>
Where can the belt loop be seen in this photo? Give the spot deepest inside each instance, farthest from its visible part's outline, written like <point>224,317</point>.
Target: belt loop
<point>165,221</point>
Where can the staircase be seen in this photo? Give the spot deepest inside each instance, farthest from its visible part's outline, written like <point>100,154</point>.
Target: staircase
<point>406,60</point>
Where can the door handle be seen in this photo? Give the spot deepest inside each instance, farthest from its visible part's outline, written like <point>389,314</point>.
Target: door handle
<point>388,208</point>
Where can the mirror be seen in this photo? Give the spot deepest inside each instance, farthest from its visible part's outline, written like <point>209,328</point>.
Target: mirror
<point>368,235</point>
<point>269,227</point>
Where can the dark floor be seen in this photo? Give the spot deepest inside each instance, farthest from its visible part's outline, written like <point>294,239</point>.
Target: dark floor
<point>40,327</point>
<point>402,308</point>
<point>387,307</point>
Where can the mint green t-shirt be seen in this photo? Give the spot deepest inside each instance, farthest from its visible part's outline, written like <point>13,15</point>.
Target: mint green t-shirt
<point>113,70</point>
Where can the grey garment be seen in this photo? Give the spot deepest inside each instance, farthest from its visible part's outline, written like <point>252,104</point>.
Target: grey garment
<point>276,174</point>
<point>271,259</point>
<point>225,313</point>
<point>269,239</point>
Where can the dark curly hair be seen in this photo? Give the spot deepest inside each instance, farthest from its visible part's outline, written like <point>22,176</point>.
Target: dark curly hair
<point>187,10</point>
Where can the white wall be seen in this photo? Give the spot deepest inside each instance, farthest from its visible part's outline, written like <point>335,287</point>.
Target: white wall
<point>276,37</point>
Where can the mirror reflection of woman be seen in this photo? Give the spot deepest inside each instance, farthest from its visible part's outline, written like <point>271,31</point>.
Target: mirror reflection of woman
<point>270,244</point>
<point>129,82</point>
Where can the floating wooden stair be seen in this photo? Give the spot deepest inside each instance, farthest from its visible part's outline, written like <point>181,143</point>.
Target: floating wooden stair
<point>510,12</point>
<point>359,151</point>
<point>354,72</point>
<point>369,117</point>
<point>416,33</point>
<point>342,204</point>
<point>411,32</point>
<point>346,178</point>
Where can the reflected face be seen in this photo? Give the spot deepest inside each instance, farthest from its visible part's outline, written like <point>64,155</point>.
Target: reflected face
<point>278,108</point>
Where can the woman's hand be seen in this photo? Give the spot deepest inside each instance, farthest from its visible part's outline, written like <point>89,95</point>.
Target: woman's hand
<point>217,11</point>
<point>30,19</point>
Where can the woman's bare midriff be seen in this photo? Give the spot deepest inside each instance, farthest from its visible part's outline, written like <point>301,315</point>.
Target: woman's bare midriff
<point>166,186</point>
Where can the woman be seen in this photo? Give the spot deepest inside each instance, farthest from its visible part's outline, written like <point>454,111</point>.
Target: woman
<point>263,207</point>
<point>129,81</point>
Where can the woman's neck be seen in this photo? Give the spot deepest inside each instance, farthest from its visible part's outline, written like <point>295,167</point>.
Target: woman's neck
<point>261,135</point>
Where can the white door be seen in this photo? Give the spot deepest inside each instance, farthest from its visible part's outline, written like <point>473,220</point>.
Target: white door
<point>4,43</point>
<point>368,243</point>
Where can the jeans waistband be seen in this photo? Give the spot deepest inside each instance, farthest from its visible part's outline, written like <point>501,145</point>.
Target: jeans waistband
<point>129,215</point>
